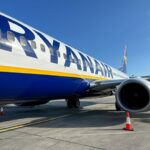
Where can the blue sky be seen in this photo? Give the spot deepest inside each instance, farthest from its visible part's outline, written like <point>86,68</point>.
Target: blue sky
<point>99,28</point>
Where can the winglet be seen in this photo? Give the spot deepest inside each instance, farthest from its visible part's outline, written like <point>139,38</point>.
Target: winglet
<point>124,62</point>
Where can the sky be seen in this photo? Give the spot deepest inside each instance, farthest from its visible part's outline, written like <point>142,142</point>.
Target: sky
<point>99,28</point>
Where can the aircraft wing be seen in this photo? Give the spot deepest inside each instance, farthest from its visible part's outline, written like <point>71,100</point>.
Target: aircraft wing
<point>109,85</point>
<point>146,78</point>
<point>105,84</point>
<point>103,88</point>
<point>132,94</point>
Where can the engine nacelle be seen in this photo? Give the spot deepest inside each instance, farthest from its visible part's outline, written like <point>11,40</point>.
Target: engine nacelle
<point>133,95</point>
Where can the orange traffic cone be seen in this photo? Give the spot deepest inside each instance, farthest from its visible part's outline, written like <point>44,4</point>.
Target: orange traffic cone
<point>128,126</point>
<point>1,111</point>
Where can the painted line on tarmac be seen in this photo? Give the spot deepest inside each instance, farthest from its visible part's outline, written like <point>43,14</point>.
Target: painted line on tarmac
<point>18,126</point>
<point>15,127</point>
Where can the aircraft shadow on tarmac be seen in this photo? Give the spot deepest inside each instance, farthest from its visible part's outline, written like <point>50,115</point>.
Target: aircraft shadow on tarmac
<point>95,118</point>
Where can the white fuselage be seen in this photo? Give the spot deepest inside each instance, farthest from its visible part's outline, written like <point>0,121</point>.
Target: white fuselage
<point>26,53</point>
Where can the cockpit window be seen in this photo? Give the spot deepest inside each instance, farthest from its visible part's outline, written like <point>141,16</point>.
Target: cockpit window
<point>10,36</point>
<point>23,41</point>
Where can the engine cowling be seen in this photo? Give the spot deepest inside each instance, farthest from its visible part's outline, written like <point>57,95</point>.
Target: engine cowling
<point>133,95</point>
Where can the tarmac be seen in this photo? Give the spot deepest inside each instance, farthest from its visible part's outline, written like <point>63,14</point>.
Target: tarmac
<point>55,127</point>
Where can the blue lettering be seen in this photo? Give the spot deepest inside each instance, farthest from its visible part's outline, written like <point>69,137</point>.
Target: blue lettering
<point>87,63</point>
<point>4,25</point>
<point>54,47</point>
<point>98,68</point>
<point>104,70</point>
<point>71,58</point>
<point>109,71</point>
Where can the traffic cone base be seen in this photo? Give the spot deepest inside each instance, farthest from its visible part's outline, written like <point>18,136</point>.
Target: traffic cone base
<point>1,111</point>
<point>128,129</point>
<point>128,126</point>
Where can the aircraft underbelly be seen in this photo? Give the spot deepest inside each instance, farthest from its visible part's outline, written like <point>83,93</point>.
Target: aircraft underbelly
<point>20,86</point>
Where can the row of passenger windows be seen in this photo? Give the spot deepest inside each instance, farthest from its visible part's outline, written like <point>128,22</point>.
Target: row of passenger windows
<point>23,42</point>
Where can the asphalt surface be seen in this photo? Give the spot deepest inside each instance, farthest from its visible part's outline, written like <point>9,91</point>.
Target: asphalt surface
<point>52,126</point>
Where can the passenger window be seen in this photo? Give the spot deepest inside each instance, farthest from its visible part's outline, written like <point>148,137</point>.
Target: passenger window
<point>65,57</point>
<point>23,41</point>
<point>51,51</point>
<point>58,53</point>
<point>0,34</point>
<point>33,44</point>
<point>42,47</point>
<point>85,64</point>
<point>75,61</point>
<point>79,61</point>
<point>70,59</point>
<point>10,36</point>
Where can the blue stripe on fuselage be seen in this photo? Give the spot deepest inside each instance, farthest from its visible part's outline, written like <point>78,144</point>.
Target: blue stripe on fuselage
<point>29,86</point>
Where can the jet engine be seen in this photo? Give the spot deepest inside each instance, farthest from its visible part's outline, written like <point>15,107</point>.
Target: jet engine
<point>133,95</point>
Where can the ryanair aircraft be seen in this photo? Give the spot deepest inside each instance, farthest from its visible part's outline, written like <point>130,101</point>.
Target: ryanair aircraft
<point>36,68</point>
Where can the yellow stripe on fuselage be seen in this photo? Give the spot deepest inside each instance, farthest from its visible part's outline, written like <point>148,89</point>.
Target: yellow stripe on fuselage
<point>46,72</point>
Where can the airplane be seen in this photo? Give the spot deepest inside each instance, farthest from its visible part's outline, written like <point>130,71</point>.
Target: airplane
<point>36,68</point>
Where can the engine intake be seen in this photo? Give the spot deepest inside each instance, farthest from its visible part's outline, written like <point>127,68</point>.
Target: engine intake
<point>133,95</point>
